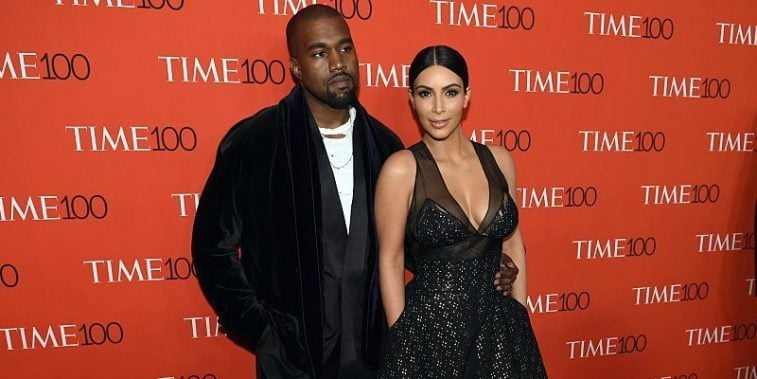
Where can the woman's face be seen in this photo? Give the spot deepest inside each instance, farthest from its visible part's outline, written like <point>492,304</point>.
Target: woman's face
<point>439,98</point>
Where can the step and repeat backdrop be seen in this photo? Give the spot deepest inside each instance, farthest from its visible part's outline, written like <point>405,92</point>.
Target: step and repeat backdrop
<point>632,123</point>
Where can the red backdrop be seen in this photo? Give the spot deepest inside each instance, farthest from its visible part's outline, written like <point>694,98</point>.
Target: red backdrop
<point>632,126</point>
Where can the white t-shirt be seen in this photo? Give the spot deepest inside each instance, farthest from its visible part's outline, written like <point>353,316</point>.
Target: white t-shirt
<point>339,151</point>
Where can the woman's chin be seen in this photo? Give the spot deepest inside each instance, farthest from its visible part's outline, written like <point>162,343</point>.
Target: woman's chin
<point>438,134</point>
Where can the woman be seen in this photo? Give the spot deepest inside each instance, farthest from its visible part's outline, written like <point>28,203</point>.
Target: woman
<point>449,203</point>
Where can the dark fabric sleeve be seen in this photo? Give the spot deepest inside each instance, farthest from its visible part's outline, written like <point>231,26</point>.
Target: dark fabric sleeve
<point>395,142</point>
<point>216,239</point>
<point>387,139</point>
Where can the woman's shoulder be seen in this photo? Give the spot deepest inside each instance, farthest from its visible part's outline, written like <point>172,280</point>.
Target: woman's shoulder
<point>398,173</point>
<point>499,152</point>
<point>503,158</point>
<point>400,163</point>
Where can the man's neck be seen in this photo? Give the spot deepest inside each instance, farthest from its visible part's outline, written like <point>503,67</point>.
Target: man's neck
<point>324,115</point>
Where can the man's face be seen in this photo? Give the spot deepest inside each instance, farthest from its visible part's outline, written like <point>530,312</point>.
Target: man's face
<point>325,61</point>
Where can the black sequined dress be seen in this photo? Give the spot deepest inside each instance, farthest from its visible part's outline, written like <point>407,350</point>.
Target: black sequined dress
<point>455,324</point>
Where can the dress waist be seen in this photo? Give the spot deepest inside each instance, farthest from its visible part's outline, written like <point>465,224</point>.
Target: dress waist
<point>465,275</point>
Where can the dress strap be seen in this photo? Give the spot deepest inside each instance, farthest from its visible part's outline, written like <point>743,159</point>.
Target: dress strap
<point>434,186</point>
<point>497,182</point>
<point>490,166</point>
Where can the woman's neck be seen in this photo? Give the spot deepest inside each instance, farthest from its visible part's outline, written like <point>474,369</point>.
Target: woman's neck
<point>453,148</point>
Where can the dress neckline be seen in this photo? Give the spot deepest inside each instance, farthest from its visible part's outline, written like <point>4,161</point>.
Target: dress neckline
<point>487,220</point>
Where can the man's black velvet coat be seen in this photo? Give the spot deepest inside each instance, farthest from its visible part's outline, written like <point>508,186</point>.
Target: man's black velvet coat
<point>256,242</point>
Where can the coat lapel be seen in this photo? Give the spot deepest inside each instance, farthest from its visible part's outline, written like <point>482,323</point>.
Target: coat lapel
<point>297,153</point>
<point>305,182</point>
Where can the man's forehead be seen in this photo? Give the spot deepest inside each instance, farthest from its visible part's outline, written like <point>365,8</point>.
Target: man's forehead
<point>321,30</point>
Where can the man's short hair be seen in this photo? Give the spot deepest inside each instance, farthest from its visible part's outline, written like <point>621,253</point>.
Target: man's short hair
<point>309,13</point>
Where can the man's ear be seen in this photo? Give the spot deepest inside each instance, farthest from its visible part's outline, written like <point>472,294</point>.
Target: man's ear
<point>294,66</point>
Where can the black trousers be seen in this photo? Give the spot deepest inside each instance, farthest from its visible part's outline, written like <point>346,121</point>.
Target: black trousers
<point>272,362</point>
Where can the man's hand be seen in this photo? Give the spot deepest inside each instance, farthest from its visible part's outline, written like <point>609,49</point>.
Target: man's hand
<point>506,275</point>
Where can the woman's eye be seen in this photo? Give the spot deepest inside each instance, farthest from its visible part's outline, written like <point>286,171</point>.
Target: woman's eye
<point>452,92</point>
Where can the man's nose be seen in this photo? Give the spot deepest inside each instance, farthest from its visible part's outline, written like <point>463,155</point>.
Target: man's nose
<point>336,62</point>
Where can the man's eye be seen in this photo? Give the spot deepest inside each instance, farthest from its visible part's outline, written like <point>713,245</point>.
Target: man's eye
<point>320,54</point>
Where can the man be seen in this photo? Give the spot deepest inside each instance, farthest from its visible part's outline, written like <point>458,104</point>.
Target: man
<point>284,238</point>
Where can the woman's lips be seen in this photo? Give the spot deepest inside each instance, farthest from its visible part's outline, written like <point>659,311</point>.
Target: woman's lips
<point>439,123</point>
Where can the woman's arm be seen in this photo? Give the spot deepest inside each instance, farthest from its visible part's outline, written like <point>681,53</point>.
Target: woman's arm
<point>513,246</point>
<point>394,191</point>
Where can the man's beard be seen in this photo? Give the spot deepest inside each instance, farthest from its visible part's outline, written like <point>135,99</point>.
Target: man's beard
<point>339,101</point>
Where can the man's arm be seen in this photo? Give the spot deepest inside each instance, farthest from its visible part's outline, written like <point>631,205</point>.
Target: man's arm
<point>215,241</point>
<point>506,274</point>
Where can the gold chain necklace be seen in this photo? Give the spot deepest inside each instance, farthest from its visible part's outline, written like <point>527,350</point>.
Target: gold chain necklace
<point>340,136</point>
<point>339,167</point>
